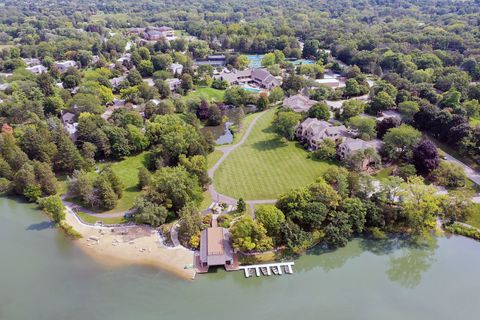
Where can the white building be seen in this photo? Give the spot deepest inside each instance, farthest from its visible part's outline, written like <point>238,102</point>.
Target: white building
<point>64,65</point>
<point>37,69</point>
<point>176,68</point>
<point>174,83</point>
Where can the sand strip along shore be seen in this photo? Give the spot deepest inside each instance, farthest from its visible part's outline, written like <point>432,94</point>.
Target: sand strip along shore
<point>130,245</point>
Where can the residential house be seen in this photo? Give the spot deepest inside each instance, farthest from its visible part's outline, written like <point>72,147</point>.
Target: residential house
<point>298,103</point>
<point>329,82</point>
<point>136,31</point>
<point>174,84</point>
<point>258,77</point>
<point>125,57</point>
<point>30,62</point>
<point>215,248</point>
<point>68,117</point>
<point>314,131</point>
<point>351,146</point>
<point>64,65</point>
<point>115,82</point>
<point>37,69</point>
<point>176,68</point>
<point>157,33</point>
<point>69,124</point>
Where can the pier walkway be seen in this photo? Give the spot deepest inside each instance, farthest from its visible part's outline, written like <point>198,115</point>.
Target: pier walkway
<point>268,269</point>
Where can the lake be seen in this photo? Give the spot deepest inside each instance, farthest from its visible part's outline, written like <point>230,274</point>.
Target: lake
<point>44,276</point>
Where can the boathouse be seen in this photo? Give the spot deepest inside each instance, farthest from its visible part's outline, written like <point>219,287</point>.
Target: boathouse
<point>215,249</point>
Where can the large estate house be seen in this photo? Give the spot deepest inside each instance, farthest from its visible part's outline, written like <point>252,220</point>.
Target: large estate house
<point>298,103</point>
<point>259,77</point>
<point>314,131</point>
<point>153,33</point>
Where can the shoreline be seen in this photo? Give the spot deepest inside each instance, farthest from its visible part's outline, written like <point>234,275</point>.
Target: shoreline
<point>130,245</point>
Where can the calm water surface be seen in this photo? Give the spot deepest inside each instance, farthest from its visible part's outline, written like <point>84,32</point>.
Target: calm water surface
<point>43,276</point>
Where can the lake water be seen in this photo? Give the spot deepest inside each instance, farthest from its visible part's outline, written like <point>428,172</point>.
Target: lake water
<point>44,276</point>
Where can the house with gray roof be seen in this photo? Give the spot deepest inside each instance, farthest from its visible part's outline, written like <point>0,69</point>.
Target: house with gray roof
<point>351,146</point>
<point>313,132</point>
<point>298,103</point>
<point>259,77</point>
<point>64,65</point>
<point>37,69</point>
<point>174,84</point>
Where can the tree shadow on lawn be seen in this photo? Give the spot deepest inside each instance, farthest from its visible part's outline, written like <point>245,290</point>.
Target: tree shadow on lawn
<point>134,188</point>
<point>269,144</point>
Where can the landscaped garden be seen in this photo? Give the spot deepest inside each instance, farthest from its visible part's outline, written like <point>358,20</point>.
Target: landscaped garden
<point>264,166</point>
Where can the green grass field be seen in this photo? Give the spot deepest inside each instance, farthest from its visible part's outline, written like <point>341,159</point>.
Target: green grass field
<point>89,219</point>
<point>213,157</point>
<point>127,171</point>
<point>264,167</point>
<point>209,94</point>
<point>474,220</point>
<point>239,132</point>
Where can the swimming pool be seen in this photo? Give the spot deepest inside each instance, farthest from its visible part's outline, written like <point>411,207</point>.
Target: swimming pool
<point>251,89</point>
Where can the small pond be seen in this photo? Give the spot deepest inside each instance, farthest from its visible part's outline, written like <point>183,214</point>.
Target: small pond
<point>227,136</point>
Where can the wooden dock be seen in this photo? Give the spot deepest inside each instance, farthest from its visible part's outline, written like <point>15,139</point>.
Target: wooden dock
<point>271,268</point>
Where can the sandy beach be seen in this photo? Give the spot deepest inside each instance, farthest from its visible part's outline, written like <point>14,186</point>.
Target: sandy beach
<point>130,245</point>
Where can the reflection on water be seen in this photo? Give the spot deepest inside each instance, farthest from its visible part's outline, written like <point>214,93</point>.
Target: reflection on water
<point>406,261</point>
<point>227,136</point>
<point>408,265</point>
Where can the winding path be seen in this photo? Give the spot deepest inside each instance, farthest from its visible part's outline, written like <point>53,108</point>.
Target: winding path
<point>72,205</point>
<point>218,197</point>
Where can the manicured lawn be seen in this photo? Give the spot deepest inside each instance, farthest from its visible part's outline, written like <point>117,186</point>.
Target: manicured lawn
<point>207,201</point>
<point>238,132</point>
<point>89,219</point>
<point>210,94</point>
<point>127,171</point>
<point>474,220</point>
<point>213,157</point>
<point>264,167</point>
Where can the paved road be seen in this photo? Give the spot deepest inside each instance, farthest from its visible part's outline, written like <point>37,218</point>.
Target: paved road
<point>471,173</point>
